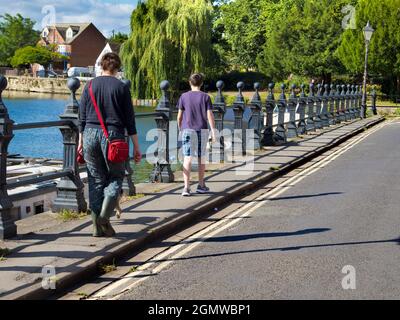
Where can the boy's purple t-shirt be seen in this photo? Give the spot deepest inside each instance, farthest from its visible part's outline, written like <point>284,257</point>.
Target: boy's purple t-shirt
<point>194,105</point>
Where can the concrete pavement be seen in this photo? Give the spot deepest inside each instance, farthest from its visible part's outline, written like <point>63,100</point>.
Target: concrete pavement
<point>75,255</point>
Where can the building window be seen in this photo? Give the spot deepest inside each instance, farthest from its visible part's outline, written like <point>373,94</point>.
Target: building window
<point>39,207</point>
<point>70,33</point>
<point>45,33</point>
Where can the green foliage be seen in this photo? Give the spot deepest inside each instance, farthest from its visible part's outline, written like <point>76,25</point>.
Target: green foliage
<point>249,78</point>
<point>384,57</point>
<point>15,32</point>
<point>302,36</point>
<point>119,38</point>
<point>242,32</point>
<point>68,215</point>
<point>30,55</point>
<point>169,40</point>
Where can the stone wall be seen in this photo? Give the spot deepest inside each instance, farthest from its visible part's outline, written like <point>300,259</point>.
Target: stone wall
<point>42,85</point>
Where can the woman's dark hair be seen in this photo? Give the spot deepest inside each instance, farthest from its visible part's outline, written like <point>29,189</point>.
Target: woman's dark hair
<point>196,79</point>
<point>111,62</point>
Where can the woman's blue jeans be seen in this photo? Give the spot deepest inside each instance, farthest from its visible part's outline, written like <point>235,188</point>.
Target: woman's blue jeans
<point>104,178</point>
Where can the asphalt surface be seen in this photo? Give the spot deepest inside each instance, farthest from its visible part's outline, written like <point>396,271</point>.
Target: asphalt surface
<point>295,247</point>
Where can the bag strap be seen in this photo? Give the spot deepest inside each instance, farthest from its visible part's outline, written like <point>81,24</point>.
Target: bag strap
<point>96,107</point>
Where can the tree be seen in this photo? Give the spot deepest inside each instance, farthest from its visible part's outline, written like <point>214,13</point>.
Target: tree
<point>29,55</point>
<point>118,38</point>
<point>169,40</point>
<point>242,30</point>
<point>384,57</point>
<point>302,37</point>
<point>15,32</point>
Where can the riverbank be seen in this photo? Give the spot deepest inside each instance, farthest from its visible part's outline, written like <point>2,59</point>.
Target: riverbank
<point>40,85</point>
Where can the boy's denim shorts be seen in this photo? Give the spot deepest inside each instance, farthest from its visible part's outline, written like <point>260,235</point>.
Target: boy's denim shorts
<point>194,143</point>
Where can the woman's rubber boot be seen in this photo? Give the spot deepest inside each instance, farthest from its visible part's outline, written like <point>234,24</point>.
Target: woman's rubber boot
<point>109,204</point>
<point>97,232</point>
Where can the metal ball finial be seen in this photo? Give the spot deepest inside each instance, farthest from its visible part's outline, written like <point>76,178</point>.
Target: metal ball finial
<point>220,85</point>
<point>271,85</point>
<point>73,84</point>
<point>164,85</point>
<point>257,86</point>
<point>240,85</point>
<point>283,86</point>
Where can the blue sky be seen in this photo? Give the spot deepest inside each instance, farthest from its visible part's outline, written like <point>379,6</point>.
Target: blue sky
<point>107,15</point>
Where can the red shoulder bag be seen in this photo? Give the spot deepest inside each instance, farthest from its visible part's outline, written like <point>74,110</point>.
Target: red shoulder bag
<point>118,149</point>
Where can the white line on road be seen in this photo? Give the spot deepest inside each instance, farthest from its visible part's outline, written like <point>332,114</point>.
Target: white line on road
<point>125,284</point>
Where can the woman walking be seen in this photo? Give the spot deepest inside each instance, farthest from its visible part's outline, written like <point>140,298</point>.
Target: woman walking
<point>106,111</point>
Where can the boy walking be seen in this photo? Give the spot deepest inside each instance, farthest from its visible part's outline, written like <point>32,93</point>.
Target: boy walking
<point>195,110</point>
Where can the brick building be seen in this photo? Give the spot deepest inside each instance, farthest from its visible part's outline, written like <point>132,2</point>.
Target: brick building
<point>82,42</point>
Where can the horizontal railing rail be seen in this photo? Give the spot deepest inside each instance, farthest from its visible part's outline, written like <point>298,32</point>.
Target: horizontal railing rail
<point>42,125</point>
<point>22,182</point>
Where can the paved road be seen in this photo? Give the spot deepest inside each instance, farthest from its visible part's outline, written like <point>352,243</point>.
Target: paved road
<point>294,247</point>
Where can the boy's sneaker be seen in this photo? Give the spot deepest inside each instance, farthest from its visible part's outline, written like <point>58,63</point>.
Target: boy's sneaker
<point>203,189</point>
<point>186,192</point>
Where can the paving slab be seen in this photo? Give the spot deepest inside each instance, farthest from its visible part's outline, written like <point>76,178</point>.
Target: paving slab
<point>74,254</point>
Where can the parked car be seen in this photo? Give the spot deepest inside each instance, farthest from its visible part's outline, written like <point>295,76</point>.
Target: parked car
<point>78,71</point>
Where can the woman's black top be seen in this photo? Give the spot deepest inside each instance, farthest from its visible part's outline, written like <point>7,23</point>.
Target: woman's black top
<point>115,103</point>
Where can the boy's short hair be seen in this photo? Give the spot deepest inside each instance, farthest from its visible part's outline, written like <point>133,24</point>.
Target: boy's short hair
<point>111,62</point>
<point>196,79</point>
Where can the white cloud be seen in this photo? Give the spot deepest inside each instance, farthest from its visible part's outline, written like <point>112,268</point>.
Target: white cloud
<point>106,15</point>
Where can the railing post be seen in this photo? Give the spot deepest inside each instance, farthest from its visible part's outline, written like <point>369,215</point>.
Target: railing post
<point>128,186</point>
<point>311,111</point>
<point>268,131</point>
<point>318,99</point>
<point>360,90</point>
<point>353,101</point>
<point>255,107</point>
<point>238,110</point>
<point>355,108</point>
<point>343,102</point>
<point>338,103</point>
<point>332,114</point>
<point>162,171</point>
<point>325,103</point>
<point>359,100</point>
<point>219,114</point>
<point>70,190</point>
<point>347,102</point>
<point>301,110</point>
<point>8,229</point>
<point>280,131</point>
<point>292,104</point>
<point>373,98</point>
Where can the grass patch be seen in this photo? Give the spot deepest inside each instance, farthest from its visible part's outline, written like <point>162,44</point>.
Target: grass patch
<point>133,269</point>
<point>135,197</point>
<point>69,215</point>
<point>107,268</point>
<point>274,168</point>
<point>4,253</point>
<point>83,295</point>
